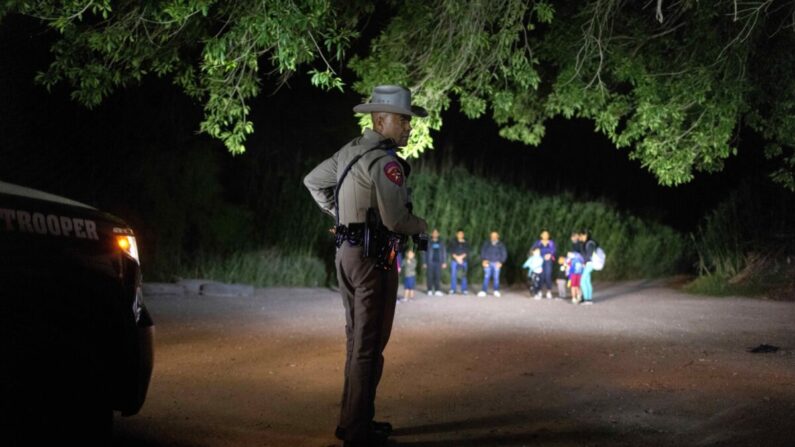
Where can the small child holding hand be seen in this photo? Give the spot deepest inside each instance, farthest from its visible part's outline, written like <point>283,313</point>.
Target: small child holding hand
<point>576,265</point>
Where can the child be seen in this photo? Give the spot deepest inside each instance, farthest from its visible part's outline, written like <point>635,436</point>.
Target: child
<point>535,266</point>
<point>561,281</point>
<point>576,267</point>
<point>409,268</point>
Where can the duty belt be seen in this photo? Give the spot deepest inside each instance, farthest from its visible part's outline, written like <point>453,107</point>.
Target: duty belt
<point>352,233</point>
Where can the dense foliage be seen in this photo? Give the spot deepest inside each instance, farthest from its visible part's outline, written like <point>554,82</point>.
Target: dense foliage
<point>745,244</point>
<point>215,51</point>
<point>453,198</point>
<point>671,81</point>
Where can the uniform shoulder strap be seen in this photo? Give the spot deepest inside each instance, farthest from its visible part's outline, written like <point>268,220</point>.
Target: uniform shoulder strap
<point>375,159</point>
<point>384,144</point>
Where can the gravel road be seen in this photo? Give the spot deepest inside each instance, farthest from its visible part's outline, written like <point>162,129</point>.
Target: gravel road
<point>645,365</point>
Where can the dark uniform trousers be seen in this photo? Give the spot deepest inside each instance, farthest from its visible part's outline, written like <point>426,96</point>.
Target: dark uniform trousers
<point>369,295</point>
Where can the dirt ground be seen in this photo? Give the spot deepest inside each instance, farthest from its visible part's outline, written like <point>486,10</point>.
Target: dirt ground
<point>645,365</point>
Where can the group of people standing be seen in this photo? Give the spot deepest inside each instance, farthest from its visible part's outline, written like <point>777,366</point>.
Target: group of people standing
<point>458,252</point>
<point>575,267</point>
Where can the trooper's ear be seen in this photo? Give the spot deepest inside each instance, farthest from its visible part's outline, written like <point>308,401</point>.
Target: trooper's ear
<point>377,119</point>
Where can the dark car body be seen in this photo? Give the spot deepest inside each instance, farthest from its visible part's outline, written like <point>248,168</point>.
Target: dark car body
<point>77,340</point>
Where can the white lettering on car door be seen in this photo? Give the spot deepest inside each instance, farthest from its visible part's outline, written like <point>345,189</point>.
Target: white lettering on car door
<point>49,224</point>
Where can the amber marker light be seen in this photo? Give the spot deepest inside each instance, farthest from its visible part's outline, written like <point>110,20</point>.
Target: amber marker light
<point>127,244</point>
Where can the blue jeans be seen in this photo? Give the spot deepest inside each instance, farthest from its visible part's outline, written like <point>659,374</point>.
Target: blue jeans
<point>585,283</point>
<point>488,273</point>
<point>454,269</point>
<point>546,276</point>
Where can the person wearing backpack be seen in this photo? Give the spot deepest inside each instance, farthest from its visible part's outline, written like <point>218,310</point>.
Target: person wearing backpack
<point>589,248</point>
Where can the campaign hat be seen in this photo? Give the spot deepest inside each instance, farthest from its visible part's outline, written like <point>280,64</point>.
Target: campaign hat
<point>391,99</point>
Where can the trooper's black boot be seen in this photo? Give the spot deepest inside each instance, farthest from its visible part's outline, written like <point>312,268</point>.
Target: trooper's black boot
<point>379,428</point>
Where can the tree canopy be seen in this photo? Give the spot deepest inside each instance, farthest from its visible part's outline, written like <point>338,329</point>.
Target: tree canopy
<point>672,81</point>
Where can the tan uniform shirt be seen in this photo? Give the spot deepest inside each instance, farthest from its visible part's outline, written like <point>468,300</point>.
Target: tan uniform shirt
<point>376,180</point>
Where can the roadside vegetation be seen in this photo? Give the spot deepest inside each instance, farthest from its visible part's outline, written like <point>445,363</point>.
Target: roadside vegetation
<point>296,249</point>
<point>745,247</point>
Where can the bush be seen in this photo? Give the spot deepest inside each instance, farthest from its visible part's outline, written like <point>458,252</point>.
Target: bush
<point>264,268</point>
<point>453,198</point>
<point>301,250</point>
<point>745,246</point>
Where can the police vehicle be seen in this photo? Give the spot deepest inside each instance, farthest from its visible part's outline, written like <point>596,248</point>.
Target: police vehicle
<point>76,337</point>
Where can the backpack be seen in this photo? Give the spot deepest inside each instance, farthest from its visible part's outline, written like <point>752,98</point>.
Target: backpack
<point>598,259</point>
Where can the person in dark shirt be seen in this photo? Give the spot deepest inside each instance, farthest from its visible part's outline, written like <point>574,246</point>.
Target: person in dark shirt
<point>435,262</point>
<point>548,252</point>
<point>459,255</point>
<point>576,245</point>
<point>493,254</point>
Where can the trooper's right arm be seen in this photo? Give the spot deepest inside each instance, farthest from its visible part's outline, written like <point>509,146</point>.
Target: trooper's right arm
<point>321,183</point>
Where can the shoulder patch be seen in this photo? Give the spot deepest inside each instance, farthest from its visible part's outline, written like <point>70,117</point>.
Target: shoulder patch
<point>394,173</point>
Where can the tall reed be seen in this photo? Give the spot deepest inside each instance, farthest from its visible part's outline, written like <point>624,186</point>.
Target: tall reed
<point>296,248</point>
<point>452,198</point>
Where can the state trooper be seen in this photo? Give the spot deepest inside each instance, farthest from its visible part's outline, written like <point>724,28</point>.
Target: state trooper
<point>363,186</point>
